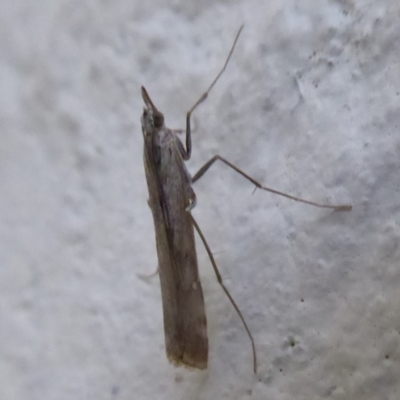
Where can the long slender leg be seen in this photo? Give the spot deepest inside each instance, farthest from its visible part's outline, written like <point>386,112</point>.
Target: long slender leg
<point>148,276</point>
<point>207,165</point>
<point>219,278</point>
<point>203,97</point>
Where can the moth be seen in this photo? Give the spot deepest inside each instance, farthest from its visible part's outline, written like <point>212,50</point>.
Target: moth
<point>171,199</point>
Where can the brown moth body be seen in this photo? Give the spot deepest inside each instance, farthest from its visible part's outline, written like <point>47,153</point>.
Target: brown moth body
<point>170,194</point>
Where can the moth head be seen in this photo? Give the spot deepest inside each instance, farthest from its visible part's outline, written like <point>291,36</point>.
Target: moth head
<point>151,117</point>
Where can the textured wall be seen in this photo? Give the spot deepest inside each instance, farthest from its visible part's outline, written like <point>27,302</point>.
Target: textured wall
<point>309,105</point>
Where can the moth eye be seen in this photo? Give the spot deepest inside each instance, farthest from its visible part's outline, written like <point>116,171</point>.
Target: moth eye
<point>158,120</point>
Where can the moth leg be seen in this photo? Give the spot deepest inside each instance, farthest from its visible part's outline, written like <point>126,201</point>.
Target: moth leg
<point>188,150</point>
<point>224,288</point>
<point>192,202</point>
<point>146,277</point>
<point>208,164</point>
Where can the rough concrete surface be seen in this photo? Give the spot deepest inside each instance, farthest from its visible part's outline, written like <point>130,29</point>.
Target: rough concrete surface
<point>309,105</point>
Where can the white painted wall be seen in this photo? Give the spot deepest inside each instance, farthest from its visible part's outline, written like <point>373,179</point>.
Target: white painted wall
<point>308,105</point>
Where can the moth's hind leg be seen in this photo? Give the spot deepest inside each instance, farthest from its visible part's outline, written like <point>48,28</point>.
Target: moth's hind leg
<point>149,276</point>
